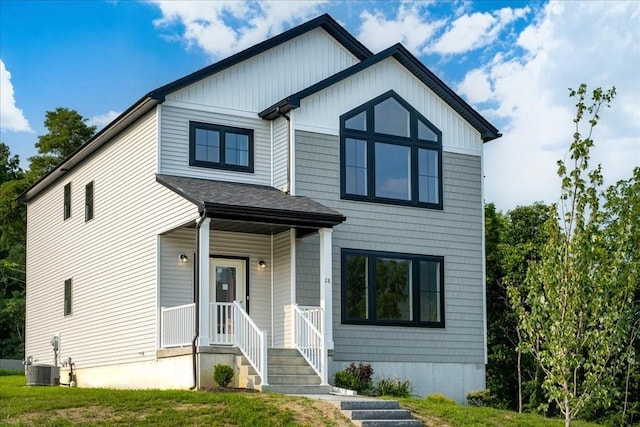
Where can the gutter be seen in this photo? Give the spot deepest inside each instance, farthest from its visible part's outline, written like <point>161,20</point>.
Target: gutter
<point>196,299</point>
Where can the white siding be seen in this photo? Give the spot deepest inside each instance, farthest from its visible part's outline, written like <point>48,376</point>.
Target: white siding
<point>264,79</point>
<point>280,153</point>
<point>321,112</point>
<point>281,287</point>
<point>174,155</point>
<point>176,278</point>
<point>111,259</point>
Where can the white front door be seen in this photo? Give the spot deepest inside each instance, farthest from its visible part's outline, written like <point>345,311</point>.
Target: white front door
<point>227,283</point>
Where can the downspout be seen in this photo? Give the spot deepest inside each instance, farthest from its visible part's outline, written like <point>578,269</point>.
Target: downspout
<point>196,299</point>
<point>289,148</point>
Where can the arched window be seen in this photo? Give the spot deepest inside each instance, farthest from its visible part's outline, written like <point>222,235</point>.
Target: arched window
<point>390,153</point>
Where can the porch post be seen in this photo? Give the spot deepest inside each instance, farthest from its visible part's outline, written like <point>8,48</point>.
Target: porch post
<point>326,290</point>
<point>203,280</point>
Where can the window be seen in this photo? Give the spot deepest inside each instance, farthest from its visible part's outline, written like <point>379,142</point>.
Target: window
<point>220,147</point>
<point>88,201</point>
<point>384,288</point>
<point>67,297</point>
<point>67,201</point>
<point>390,154</point>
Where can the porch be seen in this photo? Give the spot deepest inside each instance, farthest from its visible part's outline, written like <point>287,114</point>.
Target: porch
<point>229,279</point>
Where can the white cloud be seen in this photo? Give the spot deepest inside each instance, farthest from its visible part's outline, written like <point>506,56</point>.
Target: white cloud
<point>412,26</point>
<point>475,87</point>
<point>568,43</point>
<point>469,32</point>
<point>222,28</point>
<point>11,117</point>
<point>102,120</point>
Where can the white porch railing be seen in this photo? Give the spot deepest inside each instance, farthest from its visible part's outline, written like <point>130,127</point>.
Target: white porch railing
<point>177,325</point>
<point>221,316</point>
<point>251,341</point>
<point>308,338</point>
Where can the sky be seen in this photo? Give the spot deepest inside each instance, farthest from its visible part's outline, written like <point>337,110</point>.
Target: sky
<point>513,61</point>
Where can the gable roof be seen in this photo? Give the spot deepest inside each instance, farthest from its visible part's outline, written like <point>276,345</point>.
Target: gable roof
<point>157,96</point>
<point>412,64</point>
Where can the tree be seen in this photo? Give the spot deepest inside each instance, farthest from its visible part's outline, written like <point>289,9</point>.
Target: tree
<point>577,303</point>
<point>67,131</point>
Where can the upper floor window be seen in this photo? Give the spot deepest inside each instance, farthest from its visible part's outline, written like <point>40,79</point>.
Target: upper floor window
<point>390,153</point>
<point>220,147</point>
<point>67,201</point>
<point>386,288</point>
<point>88,201</point>
<point>67,297</point>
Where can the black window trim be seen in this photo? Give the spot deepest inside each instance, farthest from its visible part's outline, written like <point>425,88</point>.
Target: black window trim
<point>89,202</point>
<point>67,201</point>
<point>222,130</point>
<point>68,299</point>
<point>372,255</point>
<point>371,138</point>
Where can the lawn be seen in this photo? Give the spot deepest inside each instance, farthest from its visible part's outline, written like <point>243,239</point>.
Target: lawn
<point>62,406</point>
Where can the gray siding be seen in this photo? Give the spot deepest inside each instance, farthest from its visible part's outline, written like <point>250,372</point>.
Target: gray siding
<point>455,233</point>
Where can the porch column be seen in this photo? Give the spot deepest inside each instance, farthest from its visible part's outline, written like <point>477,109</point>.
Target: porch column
<point>203,280</point>
<point>326,289</point>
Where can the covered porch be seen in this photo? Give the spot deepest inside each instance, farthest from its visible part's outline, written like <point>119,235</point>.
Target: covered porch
<point>229,279</point>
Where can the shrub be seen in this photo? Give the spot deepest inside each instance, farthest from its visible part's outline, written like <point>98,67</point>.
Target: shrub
<point>355,377</point>
<point>478,398</point>
<point>223,374</point>
<point>438,398</point>
<point>397,387</point>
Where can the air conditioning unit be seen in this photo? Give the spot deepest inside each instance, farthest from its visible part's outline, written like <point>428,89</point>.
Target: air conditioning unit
<point>43,375</point>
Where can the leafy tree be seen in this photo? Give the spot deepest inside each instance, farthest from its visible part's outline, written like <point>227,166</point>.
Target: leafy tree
<point>577,303</point>
<point>67,131</point>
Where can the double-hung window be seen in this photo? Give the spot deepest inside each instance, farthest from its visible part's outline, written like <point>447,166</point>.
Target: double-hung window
<point>67,201</point>
<point>67,297</point>
<point>88,201</point>
<point>390,153</point>
<point>384,288</point>
<point>220,147</point>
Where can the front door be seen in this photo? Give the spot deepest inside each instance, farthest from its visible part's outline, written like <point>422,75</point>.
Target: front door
<point>227,283</point>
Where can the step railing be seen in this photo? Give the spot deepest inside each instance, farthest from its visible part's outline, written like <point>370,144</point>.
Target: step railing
<point>251,341</point>
<point>221,318</point>
<point>177,325</point>
<point>308,338</point>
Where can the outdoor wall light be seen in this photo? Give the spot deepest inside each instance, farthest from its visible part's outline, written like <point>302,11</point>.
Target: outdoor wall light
<point>183,258</point>
<point>262,264</point>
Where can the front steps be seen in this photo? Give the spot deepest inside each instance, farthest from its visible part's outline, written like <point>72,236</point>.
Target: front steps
<point>377,413</point>
<point>288,373</point>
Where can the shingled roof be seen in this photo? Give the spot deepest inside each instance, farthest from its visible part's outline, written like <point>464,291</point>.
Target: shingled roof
<point>251,203</point>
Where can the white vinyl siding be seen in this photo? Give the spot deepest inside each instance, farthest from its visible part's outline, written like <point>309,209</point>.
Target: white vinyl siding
<point>174,157</point>
<point>280,153</point>
<point>264,79</point>
<point>455,233</point>
<point>281,288</point>
<point>112,258</point>
<point>321,111</point>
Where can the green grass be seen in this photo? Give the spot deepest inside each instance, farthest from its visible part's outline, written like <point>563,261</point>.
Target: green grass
<point>440,412</point>
<point>62,406</point>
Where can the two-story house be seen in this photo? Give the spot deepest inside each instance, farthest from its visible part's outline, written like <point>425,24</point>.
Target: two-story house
<point>293,208</point>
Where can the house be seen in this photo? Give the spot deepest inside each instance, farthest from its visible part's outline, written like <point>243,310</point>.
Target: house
<point>293,208</point>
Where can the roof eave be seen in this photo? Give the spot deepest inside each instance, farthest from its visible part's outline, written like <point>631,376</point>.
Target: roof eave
<point>124,120</point>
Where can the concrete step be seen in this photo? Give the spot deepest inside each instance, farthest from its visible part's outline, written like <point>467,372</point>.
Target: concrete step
<point>286,361</point>
<point>388,423</point>
<point>378,414</point>
<point>291,370</point>
<point>287,352</point>
<point>295,389</point>
<point>369,404</point>
<point>294,379</point>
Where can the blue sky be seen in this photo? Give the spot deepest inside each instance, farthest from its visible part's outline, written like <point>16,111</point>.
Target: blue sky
<point>513,61</point>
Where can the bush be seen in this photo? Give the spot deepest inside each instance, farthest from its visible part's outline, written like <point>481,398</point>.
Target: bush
<point>438,398</point>
<point>478,398</point>
<point>397,387</point>
<point>355,377</point>
<point>223,374</point>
